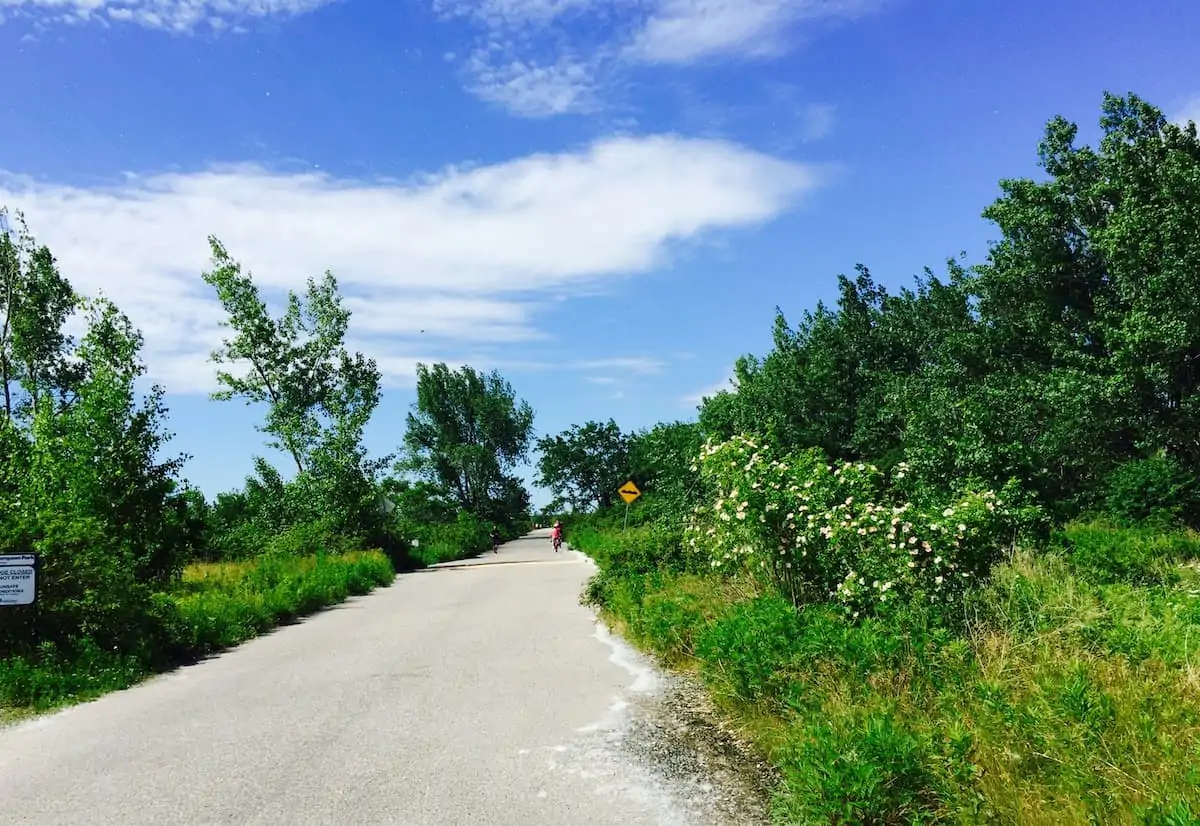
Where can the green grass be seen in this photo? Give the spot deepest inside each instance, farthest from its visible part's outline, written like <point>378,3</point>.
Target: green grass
<point>1072,696</point>
<point>223,604</point>
<point>215,605</point>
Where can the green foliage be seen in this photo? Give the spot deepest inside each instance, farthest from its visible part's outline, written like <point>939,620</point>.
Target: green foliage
<point>816,531</point>
<point>662,459</point>
<point>84,487</point>
<point>869,770</point>
<point>214,606</point>
<point>1142,556</point>
<point>35,301</point>
<point>220,605</point>
<point>746,650</point>
<point>319,398</point>
<point>466,536</point>
<point>585,465</point>
<point>1063,357</point>
<point>83,483</point>
<point>1061,701</point>
<point>1157,489</point>
<point>466,434</point>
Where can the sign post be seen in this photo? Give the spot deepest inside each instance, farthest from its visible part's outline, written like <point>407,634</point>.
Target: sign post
<point>629,491</point>
<point>18,579</point>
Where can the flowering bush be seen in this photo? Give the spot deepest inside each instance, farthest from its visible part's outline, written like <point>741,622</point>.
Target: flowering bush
<point>840,532</point>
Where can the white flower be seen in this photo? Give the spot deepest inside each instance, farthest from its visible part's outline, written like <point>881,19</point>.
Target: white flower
<point>962,528</point>
<point>948,512</point>
<point>938,580</point>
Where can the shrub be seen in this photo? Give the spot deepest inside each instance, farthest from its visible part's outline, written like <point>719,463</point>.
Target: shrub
<point>747,650</point>
<point>215,606</point>
<point>867,770</point>
<point>819,531</point>
<point>1105,553</point>
<point>1157,489</point>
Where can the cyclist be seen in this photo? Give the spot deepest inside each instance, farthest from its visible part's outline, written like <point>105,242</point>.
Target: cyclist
<point>557,534</point>
<point>495,540</point>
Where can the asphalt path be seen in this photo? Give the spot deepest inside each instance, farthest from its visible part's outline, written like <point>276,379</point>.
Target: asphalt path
<point>461,694</point>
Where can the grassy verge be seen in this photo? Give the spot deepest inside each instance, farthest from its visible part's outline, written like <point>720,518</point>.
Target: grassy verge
<point>1071,696</point>
<point>216,605</point>
<point>468,536</point>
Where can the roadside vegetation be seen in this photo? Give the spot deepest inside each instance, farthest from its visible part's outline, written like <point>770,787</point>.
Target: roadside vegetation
<point>936,553</point>
<point>139,571</point>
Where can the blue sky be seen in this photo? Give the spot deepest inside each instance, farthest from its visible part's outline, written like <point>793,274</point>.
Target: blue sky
<point>603,199</point>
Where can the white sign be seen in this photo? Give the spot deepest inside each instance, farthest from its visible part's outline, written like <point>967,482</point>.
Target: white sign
<point>18,579</point>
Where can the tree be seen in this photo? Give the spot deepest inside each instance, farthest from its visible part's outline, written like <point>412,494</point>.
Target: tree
<point>298,365</point>
<point>661,462</point>
<point>35,301</point>
<point>319,396</point>
<point>92,496</point>
<point>585,464</point>
<point>467,433</point>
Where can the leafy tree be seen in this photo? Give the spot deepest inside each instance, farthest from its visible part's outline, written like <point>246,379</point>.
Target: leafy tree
<point>35,301</point>
<point>585,464</point>
<point>1070,351</point>
<point>319,396</point>
<point>467,433</point>
<point>92,496</point>
<point>661,460</point>
<point>315,390</point>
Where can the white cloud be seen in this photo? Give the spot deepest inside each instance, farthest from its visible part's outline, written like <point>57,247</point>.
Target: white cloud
<point>451,265</point>
<point>601,379</point>
<point>685,31</point>
<point>549,57</point>
<point>172,15</point>
<point>532,90</point>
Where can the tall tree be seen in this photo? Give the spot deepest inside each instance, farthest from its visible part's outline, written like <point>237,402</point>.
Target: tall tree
<point>585,464</point>
<point>35,301</point>
<point>661,461</point>
<point>319,397</point>
<point>467,432</point>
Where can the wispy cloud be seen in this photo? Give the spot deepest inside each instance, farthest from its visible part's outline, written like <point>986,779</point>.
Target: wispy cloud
<point>532,90</point>
<point>694,399</point>
<point>171,15</point>
<point>450,265</point>
<point>542,57</point>
<point>1189,111</point>
<point>818,121</point>
<point>639,365</point>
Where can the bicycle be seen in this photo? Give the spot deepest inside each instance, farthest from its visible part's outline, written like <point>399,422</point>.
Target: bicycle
<point>557,543</point>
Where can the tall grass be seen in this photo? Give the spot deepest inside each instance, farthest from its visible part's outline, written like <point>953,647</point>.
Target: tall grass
<point>1070,696</point>
<point>216,605</point>
<point>223,604</point>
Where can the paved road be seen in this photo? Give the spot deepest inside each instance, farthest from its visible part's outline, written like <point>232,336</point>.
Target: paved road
<point>460,695</point>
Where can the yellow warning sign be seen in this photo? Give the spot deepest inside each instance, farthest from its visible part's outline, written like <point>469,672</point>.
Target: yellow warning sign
<point>629,491</point>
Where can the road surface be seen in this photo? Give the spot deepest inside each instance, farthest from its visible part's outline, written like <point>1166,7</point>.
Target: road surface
<point>478,692</point>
